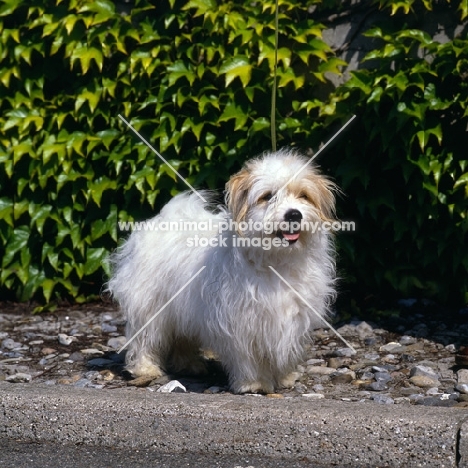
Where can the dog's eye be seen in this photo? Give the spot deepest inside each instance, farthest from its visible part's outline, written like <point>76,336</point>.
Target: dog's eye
<point>266,197</point>
<point>304,196</point>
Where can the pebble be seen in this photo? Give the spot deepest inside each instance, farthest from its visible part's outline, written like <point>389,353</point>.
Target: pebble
<point>383,399</point>
<point>65,339</point>
<point>424,381</point>
<point>383,377</point>
<point>10,344</point>
<point>91,351</point>
<point>462,376</point>
<point>19,378</point>
<point>213,389</point>
<point>320,370</point>
<point>342,376</point>
<point>116,342</point>
<point>314,396</point>
<point>392,348</point>
<point>377,387</point>
<point>142,381</point>
<point>344,352</point>
<point>423,371</point>
<point>462,388</point>
<point>171,387</point>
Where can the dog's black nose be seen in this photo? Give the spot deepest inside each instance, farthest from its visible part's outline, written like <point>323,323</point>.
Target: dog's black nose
<point>293,216</point>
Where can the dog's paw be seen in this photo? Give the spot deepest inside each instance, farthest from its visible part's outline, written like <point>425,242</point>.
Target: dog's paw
<point>145,369</point>
<point>289,380</point>
<point>252,387</point>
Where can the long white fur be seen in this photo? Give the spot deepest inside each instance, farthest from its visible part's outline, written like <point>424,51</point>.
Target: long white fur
<point>237,306</point>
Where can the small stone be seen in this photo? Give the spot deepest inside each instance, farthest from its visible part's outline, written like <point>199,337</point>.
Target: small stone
<point>92,375</point>
<point>462,388</point>
<point>107,375</point>
<point>213,389</point>
<point>82,383</point>
<point>344,352</point>
<point>406,340</point>
<point>314,396</point>
<point>433,391</point>
<point>424,381</point>
<point>172,386</point>
<point>372,356</point>
<point>142,381</point>
<point>47,351</point>
<point>463,397</point>
<point>419,346</point>
<point>409,391</point>
<point>315,362</point>
<point>69,380</point>
<point>383,399</point>
<point>116,342</point>
<point>451,348</point>
<point>367,376</point>
<point>65,339</point>
<point>383,377</point>
<point>274,395</point>
<point>415,397</point>
<point>370,340</point>
<point>400,400</point>
<point>434,401</point>
<point>10,344</point>
<point>423,371</point>
<point>462,376</point>
<point>392,347</point>
<point>91,351</point>
<point>107,328</point>
<point>318,388</point>
<point>20,377</point>
<point>36,342</point>
<point>300,388</point>
<point>364,329</point>
<point>320,370</point>
<point>335,362</point>
<point>342,376</point>
<point>76,357</point>
<point>377,387</point>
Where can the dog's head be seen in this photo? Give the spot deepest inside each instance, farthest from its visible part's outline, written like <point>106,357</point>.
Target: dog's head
<point>280,195</point>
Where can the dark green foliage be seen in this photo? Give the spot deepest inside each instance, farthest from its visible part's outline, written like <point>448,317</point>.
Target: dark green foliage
<point>194,77</point>
<point>405,166</point>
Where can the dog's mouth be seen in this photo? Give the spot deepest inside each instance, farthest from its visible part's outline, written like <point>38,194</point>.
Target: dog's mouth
<point>290,236</point>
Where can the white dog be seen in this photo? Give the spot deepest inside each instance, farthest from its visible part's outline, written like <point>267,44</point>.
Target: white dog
<point>238,306</point>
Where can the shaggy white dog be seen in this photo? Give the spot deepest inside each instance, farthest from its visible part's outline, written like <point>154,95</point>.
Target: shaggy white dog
<point>237,306</point>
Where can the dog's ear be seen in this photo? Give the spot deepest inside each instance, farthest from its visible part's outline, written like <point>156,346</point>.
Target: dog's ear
<point>326,190</point>
<point>321,193</point>
<point>237,190</point>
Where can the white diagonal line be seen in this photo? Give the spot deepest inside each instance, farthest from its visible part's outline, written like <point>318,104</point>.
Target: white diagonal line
<point>160,157</point>
<point>313,310</point>
<point>319,151</point>
<point>161,309</point>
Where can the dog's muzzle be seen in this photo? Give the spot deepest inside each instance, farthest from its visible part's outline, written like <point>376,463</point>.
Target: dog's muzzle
<point>293,218</point>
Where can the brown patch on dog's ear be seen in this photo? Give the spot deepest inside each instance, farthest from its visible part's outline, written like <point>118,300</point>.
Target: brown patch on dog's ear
<point>236,195</point>
<point>321,193</point>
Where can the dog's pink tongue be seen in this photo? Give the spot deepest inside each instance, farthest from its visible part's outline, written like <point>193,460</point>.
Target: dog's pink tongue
<point>291,237</point>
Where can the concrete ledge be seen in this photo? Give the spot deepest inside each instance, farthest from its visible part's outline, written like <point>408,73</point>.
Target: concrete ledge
<point>325,432</point>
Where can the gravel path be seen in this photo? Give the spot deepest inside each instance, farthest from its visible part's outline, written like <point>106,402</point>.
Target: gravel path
<point>411,360</point>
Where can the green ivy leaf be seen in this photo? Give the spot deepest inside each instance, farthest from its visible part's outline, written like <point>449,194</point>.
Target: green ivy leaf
<point>237,67</point>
